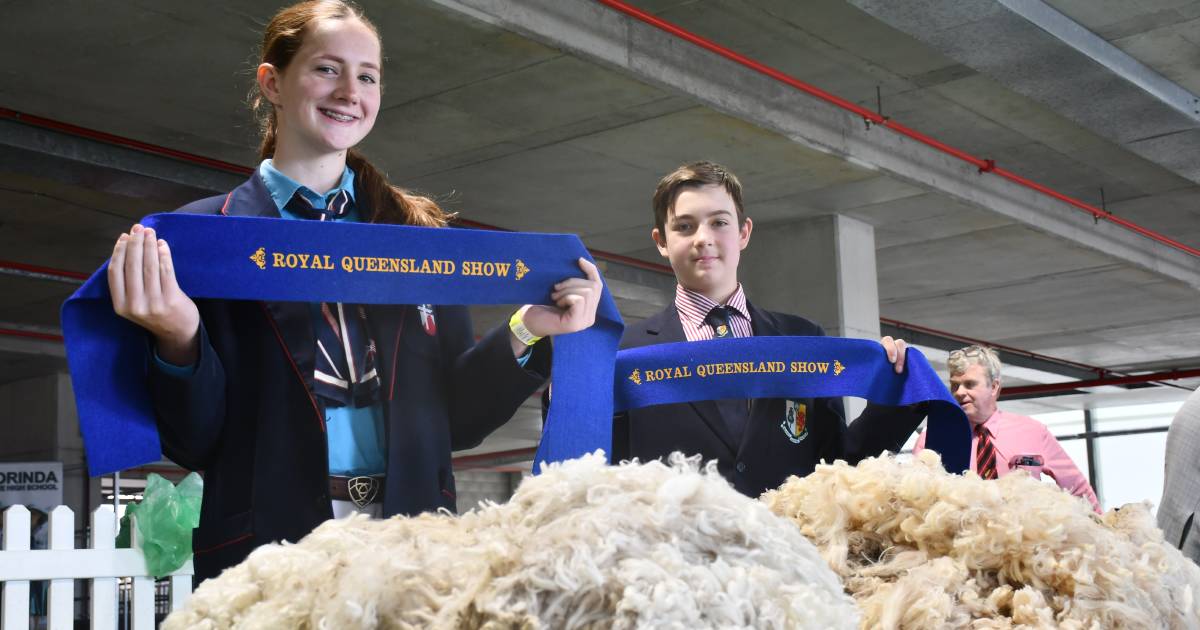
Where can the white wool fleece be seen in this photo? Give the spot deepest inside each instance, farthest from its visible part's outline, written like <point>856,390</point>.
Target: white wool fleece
<point>583,545</point>
<point>921,548</point>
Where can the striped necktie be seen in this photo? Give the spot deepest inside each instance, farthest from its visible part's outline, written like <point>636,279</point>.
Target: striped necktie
<point>337,207</point>
<point>985,454</point>
<point>345,373</point>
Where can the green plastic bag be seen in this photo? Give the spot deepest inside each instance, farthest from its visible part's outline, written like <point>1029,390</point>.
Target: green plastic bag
<point>165,519</point>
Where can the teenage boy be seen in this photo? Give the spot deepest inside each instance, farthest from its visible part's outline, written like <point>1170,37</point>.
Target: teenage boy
<point>701,227</point>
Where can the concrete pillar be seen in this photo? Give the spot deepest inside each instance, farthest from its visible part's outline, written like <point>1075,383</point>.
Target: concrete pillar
<point>29,419</point>
<point>822,269</point>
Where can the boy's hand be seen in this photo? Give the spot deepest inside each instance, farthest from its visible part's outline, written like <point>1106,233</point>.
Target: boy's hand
<point>896,350</point>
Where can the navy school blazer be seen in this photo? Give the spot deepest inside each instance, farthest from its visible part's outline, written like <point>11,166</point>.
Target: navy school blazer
<point>248,419</point>
<point>782,438</point>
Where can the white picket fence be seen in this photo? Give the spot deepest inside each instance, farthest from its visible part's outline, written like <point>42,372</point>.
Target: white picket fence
<point>103,565</point>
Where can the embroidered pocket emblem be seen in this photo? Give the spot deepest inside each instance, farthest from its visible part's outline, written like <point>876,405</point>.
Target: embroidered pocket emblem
<point>795,421</point>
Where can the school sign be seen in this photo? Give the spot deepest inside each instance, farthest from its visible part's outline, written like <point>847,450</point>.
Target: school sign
<point>32,484</point>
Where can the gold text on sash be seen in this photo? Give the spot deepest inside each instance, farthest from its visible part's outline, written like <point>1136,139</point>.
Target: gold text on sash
<point>380,264</point>
<point>705,370</point>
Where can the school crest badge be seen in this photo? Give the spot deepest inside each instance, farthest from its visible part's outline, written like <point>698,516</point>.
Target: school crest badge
<point>795,421</point>
<point>427,320</point>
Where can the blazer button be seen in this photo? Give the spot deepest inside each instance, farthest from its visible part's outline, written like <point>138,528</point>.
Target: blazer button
<point>741,467</point>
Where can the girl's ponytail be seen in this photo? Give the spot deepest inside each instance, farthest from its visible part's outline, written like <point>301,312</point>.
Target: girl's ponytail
<point>388,203</point>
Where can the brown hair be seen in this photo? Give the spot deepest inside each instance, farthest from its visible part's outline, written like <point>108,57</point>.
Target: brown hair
<point>282,38</point>
<point>694,175</point>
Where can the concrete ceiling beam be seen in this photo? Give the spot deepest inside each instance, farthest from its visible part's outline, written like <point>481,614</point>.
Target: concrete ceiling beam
<point>72,159</point>
<point>1032,49</point>
<point>588,29</point>
<point>30,340</point>
<point>940,342</point>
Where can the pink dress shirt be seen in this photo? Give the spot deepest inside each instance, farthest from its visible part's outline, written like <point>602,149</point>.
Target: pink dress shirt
<point>1014,435</point>
<point>693,307</point>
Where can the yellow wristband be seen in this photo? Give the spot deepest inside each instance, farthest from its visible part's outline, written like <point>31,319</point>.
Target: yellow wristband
<point>516,324</point>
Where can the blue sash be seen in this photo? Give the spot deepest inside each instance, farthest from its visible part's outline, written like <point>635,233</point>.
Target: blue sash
<point>239,258</point>
<point>792,367</point>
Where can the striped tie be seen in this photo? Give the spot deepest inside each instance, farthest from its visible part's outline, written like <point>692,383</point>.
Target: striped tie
<point>337,206</point>
<point>344,373</point>
<point>985,454</point>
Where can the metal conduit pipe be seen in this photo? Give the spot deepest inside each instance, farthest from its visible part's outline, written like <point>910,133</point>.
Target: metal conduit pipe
<point>1046,388</point>
<point>1009,349</point>
<point>41,273</point>
<point>30,334</point>
<point>984,165</point>
<point>129,143</point>
<point>1100,372</point>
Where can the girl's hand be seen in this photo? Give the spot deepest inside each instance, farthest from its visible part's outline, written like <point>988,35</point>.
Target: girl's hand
<point>141,279</point>
<point>575,302</point>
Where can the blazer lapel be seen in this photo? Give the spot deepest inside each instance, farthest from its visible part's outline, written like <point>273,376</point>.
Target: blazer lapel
<point>386,324</point>
<point>667,329</point>
<point>293,323</point>
<point>762,323</point>
<point>251,199</point>
<point>664,327</point>
<point>291,320</point>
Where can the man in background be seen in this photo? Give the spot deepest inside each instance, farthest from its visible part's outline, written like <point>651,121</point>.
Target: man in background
<point>1001,440</point>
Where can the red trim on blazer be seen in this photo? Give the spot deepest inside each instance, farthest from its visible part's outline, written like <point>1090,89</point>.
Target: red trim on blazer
<point>225,544</point>
<point>288,353</point>
<point>225,206</point>
<point>395,353</point>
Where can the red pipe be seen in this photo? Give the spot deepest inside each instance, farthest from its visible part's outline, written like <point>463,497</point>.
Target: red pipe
<point>984,165</point>
<point>32,334</point>
<point>35,270</point>
<point>473,461</point>
<point>1172,375</point>
<point>1009,349</point>
<point>92,134</point>
<point>129,143</point>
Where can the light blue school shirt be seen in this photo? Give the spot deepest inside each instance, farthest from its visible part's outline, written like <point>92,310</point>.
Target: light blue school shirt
<point>355,434</point>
